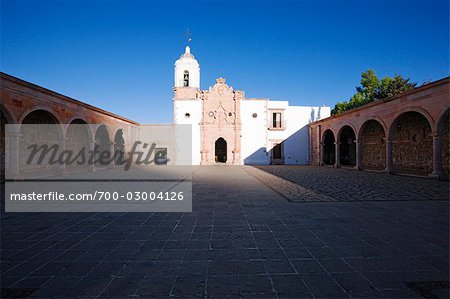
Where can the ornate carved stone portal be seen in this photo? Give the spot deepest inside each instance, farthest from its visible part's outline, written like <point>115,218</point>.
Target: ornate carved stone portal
<point>221,118</point>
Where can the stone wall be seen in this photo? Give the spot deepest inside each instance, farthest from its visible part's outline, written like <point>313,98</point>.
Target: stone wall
<point>372,146</point>
<point>3,122</point>
<point>314,143</point>
<point>412,145</point>
<point>444,133</point>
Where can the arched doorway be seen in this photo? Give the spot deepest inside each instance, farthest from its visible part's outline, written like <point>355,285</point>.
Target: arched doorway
<point>102,144</point>
<point>443,133</point>
<point>372,147</point>
<point>329,150</point>
<point>119,147</point>
<point>412,144</point>
<point>220,150</point>
<point>38,128</point>
<point>347,146</point>
<point>77,141</point>
<point>4,120</point>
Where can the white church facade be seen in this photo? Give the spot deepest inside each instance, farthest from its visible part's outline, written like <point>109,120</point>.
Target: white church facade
<point>229,128</point>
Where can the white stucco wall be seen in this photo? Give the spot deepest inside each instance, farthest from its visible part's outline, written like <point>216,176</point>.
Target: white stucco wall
<point>256,135</point>
<point>257,140</point>
<point>296,144</point>
<point>254,132</point>
<point>295,136</point>
<point>194,108</point>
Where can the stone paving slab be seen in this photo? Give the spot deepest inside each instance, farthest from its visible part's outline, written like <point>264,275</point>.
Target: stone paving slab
<point>351,185</point>
<point>243,239</point>
<point>289,190</point>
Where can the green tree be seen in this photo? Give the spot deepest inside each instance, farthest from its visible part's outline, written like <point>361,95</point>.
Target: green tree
<point>359,99</point>
<point>372,89</point>
<point>392,86</point>
<point>369,84</point>
<point>339,108</point>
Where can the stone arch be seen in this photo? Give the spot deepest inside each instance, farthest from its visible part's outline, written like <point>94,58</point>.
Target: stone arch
<point>8,117</point>
<point>5,118</point>
<point>442,130</point>
<point>120,131</point>
<point>119,146</point>
<point>372,145</point>
<point>102,146</point>
<point>328,148</point>
<point>82,122</point>
<point>42,117</point>
<point>419,110</point>
<point>445,113</point>
<point>78,139</point>
<point>347,145</point>
<point>27,112</point>
<point>77,118</point>
<point>347,125</point>
<point>39,116</point>
<point>412,143</point>
<point>39,127</point>
<point>378,120</point>
<point>220,150</point>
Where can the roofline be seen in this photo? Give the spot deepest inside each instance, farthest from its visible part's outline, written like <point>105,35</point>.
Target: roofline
<point>64,97</point>
<point>388,99</point>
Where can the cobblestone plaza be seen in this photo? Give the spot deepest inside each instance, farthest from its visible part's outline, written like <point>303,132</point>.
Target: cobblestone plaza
<point>270,232</point>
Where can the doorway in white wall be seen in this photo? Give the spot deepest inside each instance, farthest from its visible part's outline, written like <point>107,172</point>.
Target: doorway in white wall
<point>277,156</point>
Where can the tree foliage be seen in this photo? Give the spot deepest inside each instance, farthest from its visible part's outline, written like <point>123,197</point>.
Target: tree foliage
<point>372,89</point>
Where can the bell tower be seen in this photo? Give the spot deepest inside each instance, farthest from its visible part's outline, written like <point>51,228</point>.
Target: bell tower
<point>187,101</point>
<point>187,71</point>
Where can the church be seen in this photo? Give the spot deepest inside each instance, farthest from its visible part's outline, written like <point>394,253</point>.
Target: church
<point>406,133</point>
<point>228,127</point>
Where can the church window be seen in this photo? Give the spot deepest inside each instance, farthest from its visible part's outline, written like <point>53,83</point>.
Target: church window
<point>186,79</point>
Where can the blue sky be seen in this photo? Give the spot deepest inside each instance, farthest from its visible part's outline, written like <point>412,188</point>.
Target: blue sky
<point>119,55</point>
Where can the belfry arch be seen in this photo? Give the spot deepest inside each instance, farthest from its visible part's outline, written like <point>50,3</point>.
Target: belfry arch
<point>186,79</point>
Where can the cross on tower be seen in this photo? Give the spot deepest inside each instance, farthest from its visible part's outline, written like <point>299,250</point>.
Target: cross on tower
<point>188,36</point>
